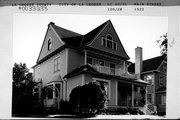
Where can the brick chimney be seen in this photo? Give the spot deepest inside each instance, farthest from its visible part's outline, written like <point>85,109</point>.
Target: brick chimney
<point>138,62</point>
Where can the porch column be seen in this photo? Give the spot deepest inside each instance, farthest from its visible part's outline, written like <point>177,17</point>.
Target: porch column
<point>146,96</point>
<point>132,100</point>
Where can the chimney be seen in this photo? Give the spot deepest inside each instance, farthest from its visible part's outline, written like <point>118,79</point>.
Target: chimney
<point>138,62</point>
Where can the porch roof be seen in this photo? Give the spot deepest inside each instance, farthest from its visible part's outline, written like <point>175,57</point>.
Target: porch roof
<point>90,70</point>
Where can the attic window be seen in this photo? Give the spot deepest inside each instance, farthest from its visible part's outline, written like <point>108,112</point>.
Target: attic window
<point>108,42</point>
<point>49,44</point>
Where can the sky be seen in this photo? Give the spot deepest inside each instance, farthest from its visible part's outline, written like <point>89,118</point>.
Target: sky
<point>29,31</point>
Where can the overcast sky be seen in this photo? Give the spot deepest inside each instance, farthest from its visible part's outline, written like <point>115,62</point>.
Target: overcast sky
<point>29,32</point>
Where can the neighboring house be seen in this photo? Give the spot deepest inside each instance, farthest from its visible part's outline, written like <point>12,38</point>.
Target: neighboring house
<point>68,59</point>
<point>154,72</point>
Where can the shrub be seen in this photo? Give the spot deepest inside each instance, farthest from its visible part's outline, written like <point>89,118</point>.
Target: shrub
<point>135,111</point>
<point>65,107</point>
<point>87,100</point>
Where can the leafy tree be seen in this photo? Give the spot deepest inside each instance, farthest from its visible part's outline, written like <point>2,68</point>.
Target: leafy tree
<point>163,42</point>
<point>22,99</point>
<point>87,100</point>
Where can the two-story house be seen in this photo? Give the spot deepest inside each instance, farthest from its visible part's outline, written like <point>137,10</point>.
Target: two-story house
<point>68,59</point>
<point>154,72</point>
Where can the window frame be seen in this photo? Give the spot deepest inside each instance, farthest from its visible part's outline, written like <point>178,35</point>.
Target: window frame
<point>91,59</point>
<point>109,43</point>
<point>50,90</point>
<point>57,63</point>
<point>49,44</point>
<point>162,99</point>
<point>160,81</point>
<point>109,86</point>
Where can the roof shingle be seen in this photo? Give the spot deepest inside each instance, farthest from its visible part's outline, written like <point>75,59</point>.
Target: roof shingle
<point>149,64</point>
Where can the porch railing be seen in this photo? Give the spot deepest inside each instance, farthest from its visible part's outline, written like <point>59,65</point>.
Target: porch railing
<point>108,70</point>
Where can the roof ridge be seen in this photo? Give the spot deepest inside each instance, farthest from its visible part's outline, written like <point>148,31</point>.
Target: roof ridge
<point>64,29</point>
<point>154,57</point>
<point>90,32</point>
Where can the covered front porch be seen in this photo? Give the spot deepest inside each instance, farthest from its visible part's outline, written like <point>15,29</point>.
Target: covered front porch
<point>131,94</point>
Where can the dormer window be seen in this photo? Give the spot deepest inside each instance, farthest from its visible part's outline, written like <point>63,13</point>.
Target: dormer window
<point>108,42</point>
<point>49,44</point>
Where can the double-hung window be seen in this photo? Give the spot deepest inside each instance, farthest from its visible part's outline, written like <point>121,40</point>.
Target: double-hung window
<point>57,64</point>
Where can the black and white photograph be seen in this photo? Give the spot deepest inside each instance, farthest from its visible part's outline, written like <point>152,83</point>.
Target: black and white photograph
<point>89,66</point>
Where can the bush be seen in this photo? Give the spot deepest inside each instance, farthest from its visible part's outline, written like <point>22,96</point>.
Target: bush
<point>135,111</point>
<point>65,107</point>
<point>123,111</point>
<point>116,111</point>
<point>87,100</point>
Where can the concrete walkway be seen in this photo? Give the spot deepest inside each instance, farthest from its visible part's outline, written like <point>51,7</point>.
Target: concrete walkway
<point>110,117</point>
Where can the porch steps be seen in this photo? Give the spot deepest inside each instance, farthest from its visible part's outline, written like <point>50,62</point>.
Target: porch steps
<point>148,109</point>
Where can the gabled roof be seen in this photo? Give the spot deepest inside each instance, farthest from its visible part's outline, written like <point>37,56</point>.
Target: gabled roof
<point>151,64</point>
<point>64,33</point>
<point>76,40</point>
<point>89,36</point>
<point>69,37</point>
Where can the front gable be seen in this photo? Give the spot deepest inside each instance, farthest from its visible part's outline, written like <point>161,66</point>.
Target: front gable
<point>163,66</point>
<point>112,42</point>
<point>52,38</point>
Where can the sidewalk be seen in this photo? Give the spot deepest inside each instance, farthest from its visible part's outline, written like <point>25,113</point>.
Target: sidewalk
<point>111,116</point>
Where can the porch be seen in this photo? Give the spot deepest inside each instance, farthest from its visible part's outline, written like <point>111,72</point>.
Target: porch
<point>131,95</point>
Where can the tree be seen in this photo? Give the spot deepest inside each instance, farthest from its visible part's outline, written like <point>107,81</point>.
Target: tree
<point>163,42</point>
<point>87,100</point>
<point>22,99</point>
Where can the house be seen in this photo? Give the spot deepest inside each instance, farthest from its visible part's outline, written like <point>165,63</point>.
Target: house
<point>154,72</point>
<point>68,59</point>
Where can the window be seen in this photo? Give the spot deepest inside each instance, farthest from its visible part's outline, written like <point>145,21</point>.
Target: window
<point>101,63</point>
<point>49,44</point>
<point>36,92</point>
<point>56,64</point>
<point>58,86</point>
<point>149,79</point>
<point>103,42</point>
<point>104,86</point>
<point>89,60</point>
<point>161,80</point>
<point>150,98</point>
<point>108,42</point>
<point>162,99</point>
<point>50,92</point>
<point>164,68</point>
<point>114,46</point>
<point>112,68</point>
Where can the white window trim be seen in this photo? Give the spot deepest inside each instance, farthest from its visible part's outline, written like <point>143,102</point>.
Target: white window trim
<point>109,85</point>
<point>116,65</point>
<point>54,64</point>
<point>49,39</point>
<point>108,40</point>
<point>53,84</point>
